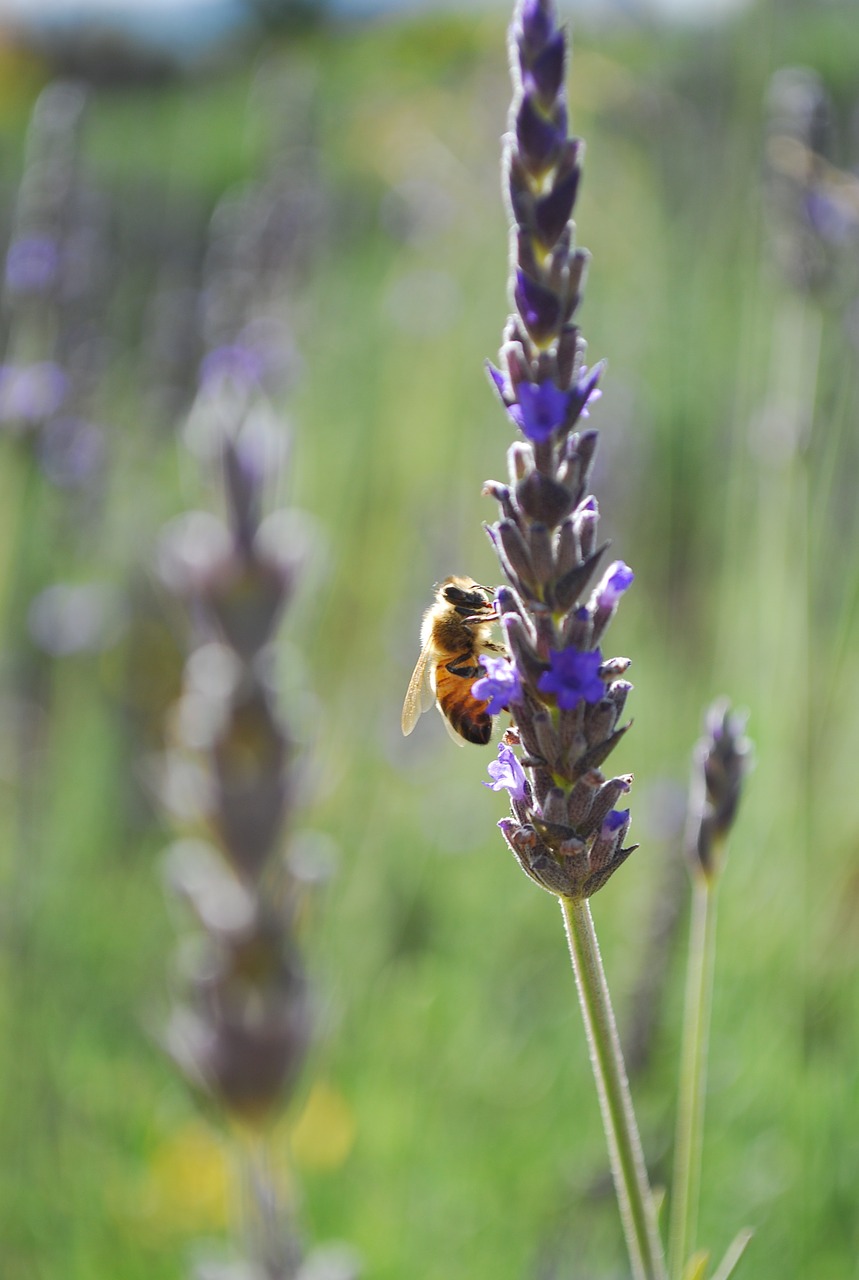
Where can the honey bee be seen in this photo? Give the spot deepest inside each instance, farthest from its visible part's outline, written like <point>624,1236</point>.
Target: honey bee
<point>454,636</point>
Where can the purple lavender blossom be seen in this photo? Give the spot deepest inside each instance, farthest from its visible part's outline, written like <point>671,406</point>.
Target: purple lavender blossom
<point>32,262</point>
<point>539,409</point>
<point>30,393</point>
<point>616,580</point>
<point>507,774</point>
<point>234,362</point>
<point>500,686</point>
<point>614,820</point>
<point>573,677</point>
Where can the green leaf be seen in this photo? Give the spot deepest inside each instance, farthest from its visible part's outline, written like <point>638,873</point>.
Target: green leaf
<point>735,1252</point>
<point>696,1267</point>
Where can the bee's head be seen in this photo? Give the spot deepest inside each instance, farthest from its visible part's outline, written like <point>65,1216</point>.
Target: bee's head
<point>465,596</point>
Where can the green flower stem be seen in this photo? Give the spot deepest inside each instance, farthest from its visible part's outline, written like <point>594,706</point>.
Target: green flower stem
<point>265,1223</point>
<point>635,1198</point>
<point>686,1183</point>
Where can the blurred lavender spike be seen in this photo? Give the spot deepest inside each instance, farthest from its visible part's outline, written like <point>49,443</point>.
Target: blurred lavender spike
<point>720,762</point>
<point>812,204</point>
<point>243,1032</point>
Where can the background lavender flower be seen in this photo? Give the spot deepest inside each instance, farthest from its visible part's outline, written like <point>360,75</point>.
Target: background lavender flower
<point>54,289</point>
<point>241,1029</point>
<point>812,203</point>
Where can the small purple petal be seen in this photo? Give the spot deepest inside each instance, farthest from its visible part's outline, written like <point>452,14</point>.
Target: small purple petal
<point>516,416</point>
<point>614,820</point>
<point>499,380</point>
<point>542,406</point>
<point>617,579</point>
<point>573,676</point>
<point>236,363</point>
<point>500,686</point>
<point>592,399</point>
<point>586,391</point>
<point>507,774</point>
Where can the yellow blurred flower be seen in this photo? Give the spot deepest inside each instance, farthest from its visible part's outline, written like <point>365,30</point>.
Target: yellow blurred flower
<point>323,1133</point>
<point>190,1184</point>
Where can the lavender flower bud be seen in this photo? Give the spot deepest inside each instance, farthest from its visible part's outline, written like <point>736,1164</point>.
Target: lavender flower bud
<point>248,758</point>
<point>517,553</point>
<point>616,580</point>
<point>243,1035</point>
<point>543,498</point>
<point>609,794</point>
<point>608,845</point>
<point>586,519</point>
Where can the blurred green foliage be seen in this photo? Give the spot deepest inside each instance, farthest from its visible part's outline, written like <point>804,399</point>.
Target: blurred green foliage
<point>448,1126</point>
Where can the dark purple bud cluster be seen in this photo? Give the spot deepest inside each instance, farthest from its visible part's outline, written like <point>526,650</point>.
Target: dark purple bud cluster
<point>721,760</point>
<point>565,697</point>
<point>242,1031</point>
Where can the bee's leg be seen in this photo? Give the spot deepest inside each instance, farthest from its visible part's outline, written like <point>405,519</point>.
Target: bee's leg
<point>463,666</point>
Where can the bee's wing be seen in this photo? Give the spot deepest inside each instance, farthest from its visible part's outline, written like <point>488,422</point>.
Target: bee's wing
<point>451,732</point>
<point>420,694</point>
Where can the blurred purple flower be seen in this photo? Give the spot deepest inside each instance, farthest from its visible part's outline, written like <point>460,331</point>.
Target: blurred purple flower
<point>71,451</point>
<point>31,264</point>
<point>68,618</point>
<point>235,362</point>
<point>507,774</point>
<point>500,686</point>
<point>834,219</point>
<point>573,676</point>
<point>30,393</point>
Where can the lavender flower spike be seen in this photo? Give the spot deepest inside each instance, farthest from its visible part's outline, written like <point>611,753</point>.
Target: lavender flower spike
<point>569,701</point>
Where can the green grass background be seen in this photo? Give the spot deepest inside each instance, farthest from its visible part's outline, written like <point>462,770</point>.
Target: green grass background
<point>447,1126</point>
